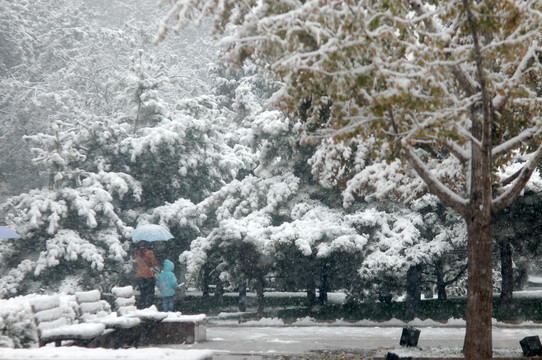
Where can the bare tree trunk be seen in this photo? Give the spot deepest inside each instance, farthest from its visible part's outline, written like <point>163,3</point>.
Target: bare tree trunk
<point>260,295</point>
<point>507,272</point>
<point>478,339</point>
<point>324,285</point>
<point>441,285</point>
<point>478,217</point>
<point>219,291</point>
<point>205,282</point>
<point>311,293</point>
<point>413,290</point>
<point>243,297</point>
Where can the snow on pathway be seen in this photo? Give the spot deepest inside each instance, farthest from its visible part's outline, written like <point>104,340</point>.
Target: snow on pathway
<point>74,352</point>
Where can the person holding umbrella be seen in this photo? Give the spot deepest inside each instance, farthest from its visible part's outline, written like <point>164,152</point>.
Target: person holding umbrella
<point>146,261</point>
<point>145,275</point>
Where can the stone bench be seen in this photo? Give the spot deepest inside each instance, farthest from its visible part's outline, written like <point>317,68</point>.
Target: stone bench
<point>149,317</point>
<point>161,327</point>
<point>180,329</point>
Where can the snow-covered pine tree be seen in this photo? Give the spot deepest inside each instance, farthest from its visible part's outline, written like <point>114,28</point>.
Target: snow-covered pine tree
<point>99,184</point>
<point>274,210</point>
<point>73,236</point>
<point>40,44</point>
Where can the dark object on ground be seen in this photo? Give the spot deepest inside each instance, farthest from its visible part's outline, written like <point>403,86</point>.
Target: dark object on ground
<point>179,329</point>
<point>531,346</point>
<point>410,336</point>
<point>393,356</point>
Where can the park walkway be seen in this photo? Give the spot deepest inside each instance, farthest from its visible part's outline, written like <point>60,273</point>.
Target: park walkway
<point>231,342</point>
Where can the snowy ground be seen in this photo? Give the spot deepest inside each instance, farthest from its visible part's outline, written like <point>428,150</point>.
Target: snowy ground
<point>272,339</point>
<point>227,339</point>
<point>70,353</point>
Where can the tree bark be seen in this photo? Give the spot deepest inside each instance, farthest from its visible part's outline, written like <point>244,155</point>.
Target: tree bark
<point>219,291</point>
<point>311,293</point>
<point>478,338</point>
<point>243,297</point>
<point>205,282</point>
<point>260,294</point>
<point>324,285</point>
<point>441,284</point>
<point>413,290</point>
<point>507,272</point>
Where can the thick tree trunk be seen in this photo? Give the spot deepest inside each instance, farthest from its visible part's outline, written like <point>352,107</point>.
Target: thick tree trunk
<point>507,272</point>
<point>414,292</point>
<point>478,217</point>
<point>478,341</point>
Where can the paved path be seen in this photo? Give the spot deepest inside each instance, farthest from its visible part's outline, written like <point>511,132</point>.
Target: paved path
<point>272,342</point>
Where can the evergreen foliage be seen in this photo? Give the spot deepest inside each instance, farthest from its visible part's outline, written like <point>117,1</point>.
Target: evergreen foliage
<point>312,196</point>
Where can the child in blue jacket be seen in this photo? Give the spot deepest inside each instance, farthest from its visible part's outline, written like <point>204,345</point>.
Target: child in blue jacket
<point>167,284</point>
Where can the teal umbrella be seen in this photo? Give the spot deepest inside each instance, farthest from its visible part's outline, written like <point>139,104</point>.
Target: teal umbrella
<point>151,232</point>
<point>7,233</point>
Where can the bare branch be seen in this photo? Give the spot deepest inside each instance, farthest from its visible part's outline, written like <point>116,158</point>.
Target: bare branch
<point>511,178</point>
<point>458,275</point>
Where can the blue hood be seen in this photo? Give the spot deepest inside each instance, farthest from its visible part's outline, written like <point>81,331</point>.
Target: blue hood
<point>168,265</point>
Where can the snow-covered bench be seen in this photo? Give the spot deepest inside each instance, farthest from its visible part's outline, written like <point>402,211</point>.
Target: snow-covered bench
<point>164,327</point>
<point>92,309</point>
<point>124,299</point>
<point>55,324</point>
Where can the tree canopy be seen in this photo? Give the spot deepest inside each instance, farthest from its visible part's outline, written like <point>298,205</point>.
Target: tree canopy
<point>453,81</point>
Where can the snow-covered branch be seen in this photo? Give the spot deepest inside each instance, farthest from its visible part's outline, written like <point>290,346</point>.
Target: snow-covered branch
<point>459,152</point>
<point>512,143</point>
<point>466,82</point>
<point>446,195</point>
<point>506,198</point>
<point>511,84</point>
